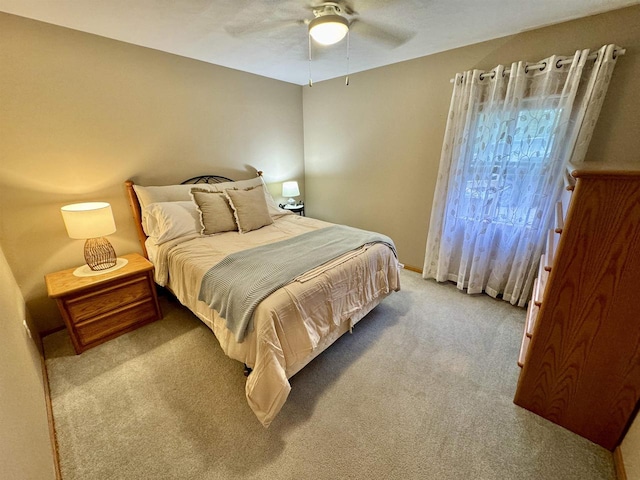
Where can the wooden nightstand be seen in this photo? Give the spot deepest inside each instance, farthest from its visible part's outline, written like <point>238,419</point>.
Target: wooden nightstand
<point>99,308</point>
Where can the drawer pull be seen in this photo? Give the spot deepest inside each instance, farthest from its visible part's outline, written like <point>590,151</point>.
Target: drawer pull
<point>532,315</point>
<point>550,250</point>
<point>538,287</point>
<point>537,301</point>
<point>559,217</point>
<point>524,346</point>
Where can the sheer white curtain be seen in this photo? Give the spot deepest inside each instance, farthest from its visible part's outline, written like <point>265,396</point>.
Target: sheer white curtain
<point>508,138</point>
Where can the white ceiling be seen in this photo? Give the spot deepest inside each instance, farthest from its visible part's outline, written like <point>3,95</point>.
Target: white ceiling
<point>267,37</point>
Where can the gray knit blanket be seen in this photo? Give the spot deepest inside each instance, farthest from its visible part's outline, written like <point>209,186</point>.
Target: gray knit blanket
<point>235,286</point>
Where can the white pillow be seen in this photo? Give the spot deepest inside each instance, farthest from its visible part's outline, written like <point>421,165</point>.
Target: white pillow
<point>166,193</point>
<point>164,221</point>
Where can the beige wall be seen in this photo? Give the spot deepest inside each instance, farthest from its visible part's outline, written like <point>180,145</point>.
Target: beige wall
<point>372,149</point>
<point>25,448</point>
<point>81,114</point>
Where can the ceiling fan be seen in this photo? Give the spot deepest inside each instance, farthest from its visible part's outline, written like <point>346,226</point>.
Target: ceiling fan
<point>331,23</point>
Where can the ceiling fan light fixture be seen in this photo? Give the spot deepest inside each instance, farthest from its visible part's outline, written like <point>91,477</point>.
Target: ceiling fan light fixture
<point>328,29</point>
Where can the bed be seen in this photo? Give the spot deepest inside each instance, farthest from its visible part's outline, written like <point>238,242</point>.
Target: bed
<point>182,231</point>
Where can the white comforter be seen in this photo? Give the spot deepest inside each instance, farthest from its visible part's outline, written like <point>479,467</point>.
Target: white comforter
<point>294,323</point>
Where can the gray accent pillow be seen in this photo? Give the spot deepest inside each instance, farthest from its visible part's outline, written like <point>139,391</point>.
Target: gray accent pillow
<point>250,208</point>
<point>216,215</point>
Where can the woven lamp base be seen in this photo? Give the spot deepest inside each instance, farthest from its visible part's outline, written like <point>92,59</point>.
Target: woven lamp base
<point>99,253</point>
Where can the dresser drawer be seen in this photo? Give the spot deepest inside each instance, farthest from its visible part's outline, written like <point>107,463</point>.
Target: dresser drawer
<point>115,322</point>
<point>103,300</point>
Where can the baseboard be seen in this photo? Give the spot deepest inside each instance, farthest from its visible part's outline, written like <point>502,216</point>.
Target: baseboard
<point>413,269</point>
<point>52,426</point>
<point>619,464</point>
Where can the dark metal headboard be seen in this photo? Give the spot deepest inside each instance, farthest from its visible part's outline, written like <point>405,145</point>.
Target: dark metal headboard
<point>207,179</point>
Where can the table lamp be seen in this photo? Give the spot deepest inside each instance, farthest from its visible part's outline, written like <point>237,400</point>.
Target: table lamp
<point>91,221</point>
<point>290,189</point>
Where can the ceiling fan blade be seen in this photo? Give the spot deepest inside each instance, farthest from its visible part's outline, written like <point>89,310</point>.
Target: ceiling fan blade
<point>392,37</point>
<point>249,28</point>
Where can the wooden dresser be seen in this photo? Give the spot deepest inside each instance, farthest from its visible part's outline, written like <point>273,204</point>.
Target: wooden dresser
<point>580,354</point>
<point>98,308</point>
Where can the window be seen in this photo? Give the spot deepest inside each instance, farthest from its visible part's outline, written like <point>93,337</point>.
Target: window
<point>506,161</point>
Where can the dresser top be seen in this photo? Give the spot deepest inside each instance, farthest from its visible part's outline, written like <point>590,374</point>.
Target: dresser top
<point>65,282</point>
<point>609,169</point>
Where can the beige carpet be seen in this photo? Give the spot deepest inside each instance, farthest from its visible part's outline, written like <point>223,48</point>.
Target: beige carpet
<point>422,390</point>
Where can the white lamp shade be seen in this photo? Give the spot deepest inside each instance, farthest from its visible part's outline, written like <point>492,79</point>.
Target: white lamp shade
<point>88,220</point>
<point>290,189</point>
<point>328,29</point>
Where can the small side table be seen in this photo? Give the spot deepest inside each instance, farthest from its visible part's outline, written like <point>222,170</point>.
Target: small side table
<point>98,308</point>
<point>299,209</point>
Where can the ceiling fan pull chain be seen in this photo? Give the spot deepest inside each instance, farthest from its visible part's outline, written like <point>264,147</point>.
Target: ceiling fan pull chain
<point>346,81</point>
<point>310,81</point>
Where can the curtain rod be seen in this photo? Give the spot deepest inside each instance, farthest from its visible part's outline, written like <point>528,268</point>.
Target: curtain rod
<point>616,52</point>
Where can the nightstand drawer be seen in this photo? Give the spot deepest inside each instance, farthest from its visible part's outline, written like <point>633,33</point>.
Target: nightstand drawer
<point>106,299</point>
<point>116,321</point>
